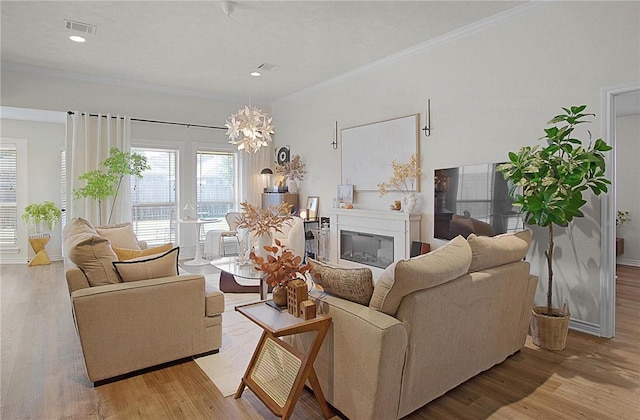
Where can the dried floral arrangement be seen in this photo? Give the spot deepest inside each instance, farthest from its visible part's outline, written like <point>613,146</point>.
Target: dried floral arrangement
<point>622,216</point>
<point>294,169</point>
<point>280,265</point>
<point>405,176</point>
<point>261,221</point>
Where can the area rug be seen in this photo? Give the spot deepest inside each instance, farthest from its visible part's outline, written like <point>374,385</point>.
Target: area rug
<point>239,339</point>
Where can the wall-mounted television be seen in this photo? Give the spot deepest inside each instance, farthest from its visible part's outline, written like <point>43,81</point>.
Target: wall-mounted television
<point>473,199</point>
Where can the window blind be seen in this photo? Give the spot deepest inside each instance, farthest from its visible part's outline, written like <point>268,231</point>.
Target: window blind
<point>153,197</point>
<point>8,196</point>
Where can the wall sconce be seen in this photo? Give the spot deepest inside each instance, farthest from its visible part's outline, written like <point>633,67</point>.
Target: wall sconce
<point>334,143</point>
<point>427,120</point>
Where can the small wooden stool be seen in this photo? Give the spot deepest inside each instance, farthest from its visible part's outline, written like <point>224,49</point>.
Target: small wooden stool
<point>38,242</point>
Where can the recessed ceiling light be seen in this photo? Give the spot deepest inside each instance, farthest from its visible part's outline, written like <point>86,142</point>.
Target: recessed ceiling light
<point>76,38</point>
<point>255,74</point>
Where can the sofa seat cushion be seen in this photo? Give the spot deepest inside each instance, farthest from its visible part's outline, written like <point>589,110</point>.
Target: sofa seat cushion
<point>354,284</point>
<point>214,300</point>
<point>422,272</point>
<point>498,250</point>
<point>129,254</point>
<point>145,268</point>
<point>120,235</point>
<point>89,251</point>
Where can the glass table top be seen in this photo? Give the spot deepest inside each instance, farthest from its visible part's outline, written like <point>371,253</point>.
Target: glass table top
<point>231,266</point>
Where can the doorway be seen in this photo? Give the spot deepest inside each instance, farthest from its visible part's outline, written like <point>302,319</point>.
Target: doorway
<point>617,102</point>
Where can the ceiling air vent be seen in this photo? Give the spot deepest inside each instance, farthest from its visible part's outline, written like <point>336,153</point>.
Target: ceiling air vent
<point>267,67</point>
<point>80,27</point>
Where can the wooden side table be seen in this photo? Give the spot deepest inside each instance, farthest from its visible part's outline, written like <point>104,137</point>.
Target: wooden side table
<point>277,371</point>
<point>38,242</point>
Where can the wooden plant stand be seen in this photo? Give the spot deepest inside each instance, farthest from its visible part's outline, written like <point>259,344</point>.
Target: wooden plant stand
<point>38,242</point>
<point>277,371</point>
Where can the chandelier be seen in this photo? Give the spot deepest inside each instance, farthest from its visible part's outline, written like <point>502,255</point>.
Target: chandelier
<point>250,129</point>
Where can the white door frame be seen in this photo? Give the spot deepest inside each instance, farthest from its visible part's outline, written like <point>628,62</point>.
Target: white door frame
<point>608,216</point>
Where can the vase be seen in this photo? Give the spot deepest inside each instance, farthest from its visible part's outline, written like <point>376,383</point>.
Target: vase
<point>263,240</point>
<point>409,202</point>
<point>280,295</point>
<point>292,186</point>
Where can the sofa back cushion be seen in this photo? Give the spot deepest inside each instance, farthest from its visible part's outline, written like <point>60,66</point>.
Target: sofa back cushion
<point>91,252</point>
<point>149,267</point>
<point>120,235</point>
<point>422,272</point>
<point>354,284</point>
<point>498,250</point>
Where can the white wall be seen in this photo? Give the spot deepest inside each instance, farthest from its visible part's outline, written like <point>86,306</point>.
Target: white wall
<point>628,175</point>
<point>45,141</point>
<point>491,92</point>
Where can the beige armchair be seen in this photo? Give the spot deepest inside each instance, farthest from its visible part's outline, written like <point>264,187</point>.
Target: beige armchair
<point>127,326</point>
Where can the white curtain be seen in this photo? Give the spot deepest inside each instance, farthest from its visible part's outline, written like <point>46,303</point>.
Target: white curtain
<point>256,162</point>
<point>89,139</point>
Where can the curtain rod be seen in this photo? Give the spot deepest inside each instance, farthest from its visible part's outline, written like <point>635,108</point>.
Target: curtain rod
<point>161,122</point>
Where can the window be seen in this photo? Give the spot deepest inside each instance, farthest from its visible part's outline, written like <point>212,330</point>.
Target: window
<point>63,188</point>
<point>216,187</point>
<point>8,196</point>
<point>153,197</point>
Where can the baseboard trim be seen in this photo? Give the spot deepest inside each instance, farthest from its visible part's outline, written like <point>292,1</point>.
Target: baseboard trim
<point>625,261</point>
<point>585,327</point>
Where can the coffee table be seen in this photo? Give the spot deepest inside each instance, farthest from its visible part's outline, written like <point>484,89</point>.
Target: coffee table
<point>230,268</point>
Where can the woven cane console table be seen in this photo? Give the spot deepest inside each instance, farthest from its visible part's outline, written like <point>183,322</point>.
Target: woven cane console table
<point>277,371</point>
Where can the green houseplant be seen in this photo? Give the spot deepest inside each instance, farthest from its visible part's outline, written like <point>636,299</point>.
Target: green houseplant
<point>46,214</point>
<point>548,184</point>
<point>104,183</point>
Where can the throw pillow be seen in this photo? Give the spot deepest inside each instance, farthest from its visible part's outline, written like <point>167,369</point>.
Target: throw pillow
<point>498,250</point>
<point>128,254</point>
<point>91,252</point>
<point>354,284</point>
<point>422,272</point>
<point>164,265</point>
<point>121,235</point>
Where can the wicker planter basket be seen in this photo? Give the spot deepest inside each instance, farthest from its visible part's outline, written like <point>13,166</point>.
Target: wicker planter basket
<point>549,331</point>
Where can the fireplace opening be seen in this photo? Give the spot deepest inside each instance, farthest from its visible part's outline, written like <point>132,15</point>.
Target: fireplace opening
<point>366,248</point>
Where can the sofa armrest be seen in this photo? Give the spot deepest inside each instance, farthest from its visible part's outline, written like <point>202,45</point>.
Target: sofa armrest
<point>129,326</point>
<point>361,361</point>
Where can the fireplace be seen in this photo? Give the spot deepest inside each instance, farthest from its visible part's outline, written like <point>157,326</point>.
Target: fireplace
<point>372,238</point>
<point>366,248</point>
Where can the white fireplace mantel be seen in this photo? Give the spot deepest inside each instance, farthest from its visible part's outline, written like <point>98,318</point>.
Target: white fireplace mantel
<point>402,227</point>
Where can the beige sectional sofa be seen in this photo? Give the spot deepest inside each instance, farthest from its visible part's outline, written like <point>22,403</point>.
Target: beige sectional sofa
<point>432,322</point>
<point>143,315</point>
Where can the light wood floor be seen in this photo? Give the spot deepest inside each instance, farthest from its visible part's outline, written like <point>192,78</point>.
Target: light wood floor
<point>42,371</point>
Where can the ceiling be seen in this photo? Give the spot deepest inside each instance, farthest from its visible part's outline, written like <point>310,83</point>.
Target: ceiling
<point>194,47</point>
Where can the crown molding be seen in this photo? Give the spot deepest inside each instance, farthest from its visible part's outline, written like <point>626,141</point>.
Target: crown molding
<point>23,68</point>
<point>454,35</point>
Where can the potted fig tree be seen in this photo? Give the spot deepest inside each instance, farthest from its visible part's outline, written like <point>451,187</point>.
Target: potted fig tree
<point>104,183</point>
<point>548,183</point>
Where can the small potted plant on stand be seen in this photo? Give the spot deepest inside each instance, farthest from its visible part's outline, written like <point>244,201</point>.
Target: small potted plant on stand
<point>45,215</point>
<point>548,182</point>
